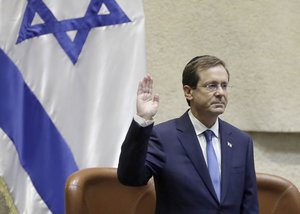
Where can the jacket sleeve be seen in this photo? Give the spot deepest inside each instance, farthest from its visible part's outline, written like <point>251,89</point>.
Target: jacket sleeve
<point>250,201</point>
<point>132,168</point>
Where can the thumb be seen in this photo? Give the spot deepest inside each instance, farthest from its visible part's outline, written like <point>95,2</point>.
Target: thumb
<point>156,98</point>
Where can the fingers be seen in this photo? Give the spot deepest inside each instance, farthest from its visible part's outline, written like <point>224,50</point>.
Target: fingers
<point>146,85</point>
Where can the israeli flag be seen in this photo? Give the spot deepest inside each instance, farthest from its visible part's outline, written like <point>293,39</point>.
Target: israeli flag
<point>69,72</point>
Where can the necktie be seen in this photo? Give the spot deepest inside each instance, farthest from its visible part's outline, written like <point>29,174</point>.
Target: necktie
<point>212,162</point>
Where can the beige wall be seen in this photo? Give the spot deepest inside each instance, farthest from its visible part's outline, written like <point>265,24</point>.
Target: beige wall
<point>279,154</point>
<point>260,41</point>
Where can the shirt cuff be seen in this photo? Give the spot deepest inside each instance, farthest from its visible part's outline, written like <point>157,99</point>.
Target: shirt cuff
<point>141,121</point>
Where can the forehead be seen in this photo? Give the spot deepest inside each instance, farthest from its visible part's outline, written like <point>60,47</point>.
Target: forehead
<point>217,73</point>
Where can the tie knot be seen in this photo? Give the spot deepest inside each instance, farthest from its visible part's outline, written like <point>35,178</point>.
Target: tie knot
<point>208,135</point>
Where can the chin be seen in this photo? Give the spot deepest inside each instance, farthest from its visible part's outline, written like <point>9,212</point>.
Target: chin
<point>219,111</point>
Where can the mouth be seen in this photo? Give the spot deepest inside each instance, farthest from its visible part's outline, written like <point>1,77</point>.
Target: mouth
<point>218,103</point>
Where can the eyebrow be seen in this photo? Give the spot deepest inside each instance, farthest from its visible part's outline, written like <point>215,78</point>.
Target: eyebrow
<point>215,82</point>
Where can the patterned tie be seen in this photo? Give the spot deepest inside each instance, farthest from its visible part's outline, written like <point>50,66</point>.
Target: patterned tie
<point>212,162</point>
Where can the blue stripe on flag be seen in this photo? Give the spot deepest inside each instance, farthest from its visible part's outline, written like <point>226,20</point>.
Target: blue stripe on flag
<point>42,151</point>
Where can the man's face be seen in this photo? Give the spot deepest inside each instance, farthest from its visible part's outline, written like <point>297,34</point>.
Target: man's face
<point>209,98</point>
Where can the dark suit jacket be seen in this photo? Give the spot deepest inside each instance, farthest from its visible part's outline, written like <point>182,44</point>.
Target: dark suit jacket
<point>170,152</point>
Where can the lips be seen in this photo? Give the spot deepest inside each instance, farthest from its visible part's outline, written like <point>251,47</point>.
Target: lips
<point>218,103</point>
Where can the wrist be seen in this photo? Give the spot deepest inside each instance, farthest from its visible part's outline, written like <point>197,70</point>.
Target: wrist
<point>142,121</point>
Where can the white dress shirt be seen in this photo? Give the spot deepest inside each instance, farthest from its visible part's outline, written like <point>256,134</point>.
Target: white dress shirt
<point>199,129</point>
<point>141,121</point>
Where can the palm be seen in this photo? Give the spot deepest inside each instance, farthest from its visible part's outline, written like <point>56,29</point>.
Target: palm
<point>147,103</point>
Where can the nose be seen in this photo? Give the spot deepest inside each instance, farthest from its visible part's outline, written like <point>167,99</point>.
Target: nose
<point>220,90</point>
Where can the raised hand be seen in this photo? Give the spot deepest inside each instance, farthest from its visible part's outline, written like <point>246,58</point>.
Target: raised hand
<point>146,102</point>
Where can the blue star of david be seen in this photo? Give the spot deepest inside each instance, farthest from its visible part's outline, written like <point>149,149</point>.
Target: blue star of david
<point>83,25</point>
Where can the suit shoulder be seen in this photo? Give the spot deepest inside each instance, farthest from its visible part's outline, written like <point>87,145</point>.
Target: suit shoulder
<point>165,125</point>
<point>235,130</point>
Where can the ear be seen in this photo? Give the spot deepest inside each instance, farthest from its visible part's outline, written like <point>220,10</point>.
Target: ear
<point>188,92</point>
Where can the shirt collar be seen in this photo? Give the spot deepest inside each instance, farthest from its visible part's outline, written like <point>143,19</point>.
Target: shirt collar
<point>200,127</point>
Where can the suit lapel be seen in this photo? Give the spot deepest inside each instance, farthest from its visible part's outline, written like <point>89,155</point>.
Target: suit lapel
<point>226,156</point>
<point>190,143</point>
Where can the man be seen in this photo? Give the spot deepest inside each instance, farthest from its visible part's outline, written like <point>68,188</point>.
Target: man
<point>194,170</point>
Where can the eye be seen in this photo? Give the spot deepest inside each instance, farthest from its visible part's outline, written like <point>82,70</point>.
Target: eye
<point>212,86</point>
<point>224,85</point>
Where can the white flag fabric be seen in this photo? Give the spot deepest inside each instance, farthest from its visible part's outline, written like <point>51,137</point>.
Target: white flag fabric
<point>69,71</point>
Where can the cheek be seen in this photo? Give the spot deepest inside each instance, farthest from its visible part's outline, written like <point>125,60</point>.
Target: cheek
<point>204,99</point>
<point>226,98</point>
